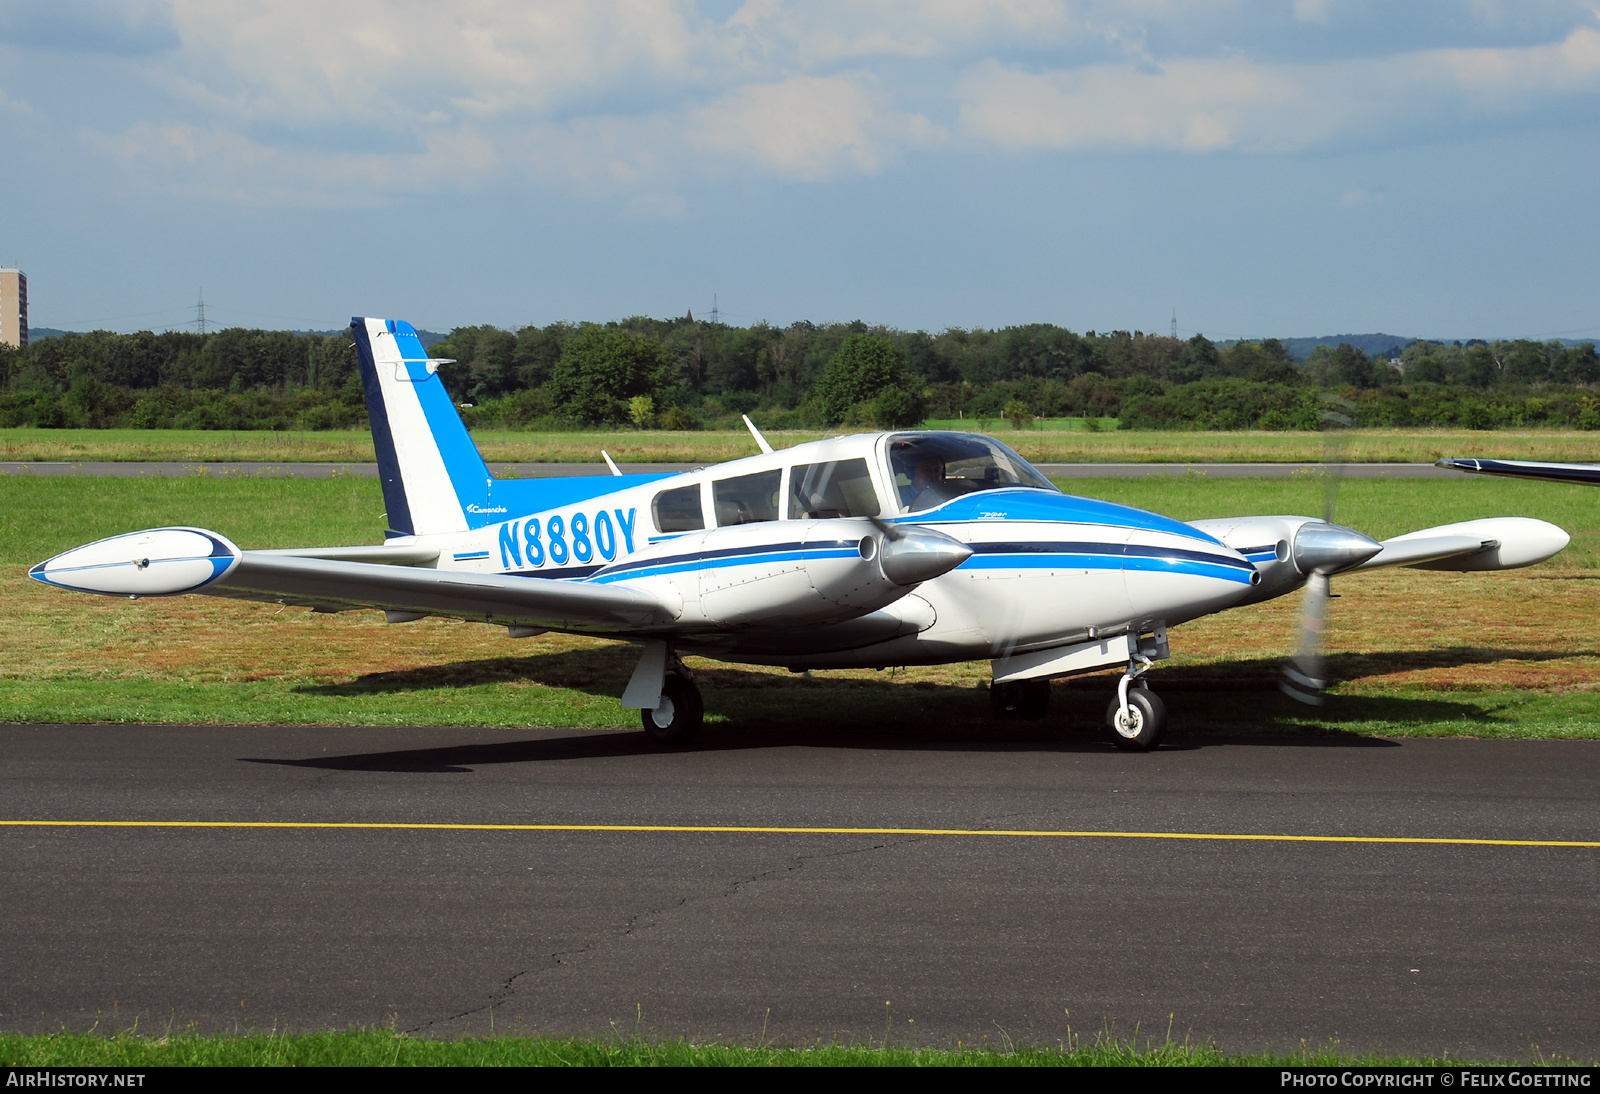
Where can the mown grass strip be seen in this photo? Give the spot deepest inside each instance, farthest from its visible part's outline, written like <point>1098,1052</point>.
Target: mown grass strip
<point>383,1048</point>
<point>42,516</point>
<point>797,830</point>
<point>1042,445</point>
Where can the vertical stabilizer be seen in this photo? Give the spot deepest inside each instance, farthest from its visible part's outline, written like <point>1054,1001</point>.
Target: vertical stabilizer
<point>434,480</point>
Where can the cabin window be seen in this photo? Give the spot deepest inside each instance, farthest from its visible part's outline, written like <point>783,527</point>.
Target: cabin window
<point>842,488</point>
<point>747,499</point>
<point>679,510</point>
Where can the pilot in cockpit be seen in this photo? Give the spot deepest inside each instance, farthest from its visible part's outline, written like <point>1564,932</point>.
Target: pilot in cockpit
<point>927,474</point>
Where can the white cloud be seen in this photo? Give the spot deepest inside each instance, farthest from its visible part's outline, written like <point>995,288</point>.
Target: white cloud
<point>655,207</point>
<point>1362,196</point>
<point>304,61</point>
<point>809,127</point>
<point>16,107</point>
<point>236,169</point>
<point>1207,104</point>
<point>1311,11</point>
<point>635,100</point>
<point>819,32</point>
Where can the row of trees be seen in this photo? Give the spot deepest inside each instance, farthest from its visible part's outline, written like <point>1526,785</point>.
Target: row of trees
<point>683,374</point>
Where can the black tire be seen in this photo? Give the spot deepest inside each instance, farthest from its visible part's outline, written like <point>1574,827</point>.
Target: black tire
<point>1025,699</point>
<point>678,718</point>
<point>1149,723</point>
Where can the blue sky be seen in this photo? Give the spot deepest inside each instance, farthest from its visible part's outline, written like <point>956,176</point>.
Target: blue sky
<point>1294,168</point>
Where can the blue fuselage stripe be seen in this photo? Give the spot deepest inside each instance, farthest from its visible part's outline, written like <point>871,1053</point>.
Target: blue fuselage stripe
<point>1015,555</point>
<point>690,562</point>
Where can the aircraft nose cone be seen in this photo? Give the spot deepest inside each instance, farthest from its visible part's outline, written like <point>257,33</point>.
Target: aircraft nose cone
<point>1329,548</point>
<point>921,554</point>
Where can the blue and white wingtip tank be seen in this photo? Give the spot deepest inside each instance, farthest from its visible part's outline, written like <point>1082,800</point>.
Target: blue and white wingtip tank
<point>157,562</point>
<point>872,550</point>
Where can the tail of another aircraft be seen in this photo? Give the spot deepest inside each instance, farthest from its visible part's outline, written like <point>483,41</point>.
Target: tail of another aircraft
<point>434,479</point>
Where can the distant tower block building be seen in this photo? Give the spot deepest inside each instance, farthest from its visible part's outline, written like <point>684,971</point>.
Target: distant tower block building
<point>13,308</point>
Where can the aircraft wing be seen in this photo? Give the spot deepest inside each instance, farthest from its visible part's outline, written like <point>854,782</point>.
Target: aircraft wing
<point>1490,543</point>
<point>1588,473</point>
<point>171,561</point>
<point>492,598</point>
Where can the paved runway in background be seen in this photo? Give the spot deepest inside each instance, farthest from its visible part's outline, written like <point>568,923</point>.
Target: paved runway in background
<point>1476,949</point>
<point>556,470</point>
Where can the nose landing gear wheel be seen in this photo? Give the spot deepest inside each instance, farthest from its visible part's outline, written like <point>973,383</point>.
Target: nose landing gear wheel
<point>1025,699</point>
<point>678,718</point>
<point>1145,724</point>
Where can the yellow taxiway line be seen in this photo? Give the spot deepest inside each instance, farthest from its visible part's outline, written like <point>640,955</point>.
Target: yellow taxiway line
<point>741,829</point>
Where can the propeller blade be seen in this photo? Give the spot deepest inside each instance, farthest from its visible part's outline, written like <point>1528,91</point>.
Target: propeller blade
<point>1323,551</point>
<point>1303,680</point>
<point>891,532</point>
<point>1335,418</point>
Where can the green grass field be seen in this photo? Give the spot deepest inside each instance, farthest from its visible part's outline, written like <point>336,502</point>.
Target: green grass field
<point>380,1048</point>
<point>40,516</point>
<point>1047,444</point>
<point>1511,654</point>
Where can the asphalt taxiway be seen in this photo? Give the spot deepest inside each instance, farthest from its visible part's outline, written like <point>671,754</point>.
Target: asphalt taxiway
<point>939,886</point>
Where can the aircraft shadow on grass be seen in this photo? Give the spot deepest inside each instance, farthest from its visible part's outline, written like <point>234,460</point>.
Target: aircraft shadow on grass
<point>1225,703</point>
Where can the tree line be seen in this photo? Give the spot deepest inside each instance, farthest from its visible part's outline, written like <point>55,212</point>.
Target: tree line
<point>687,374</point>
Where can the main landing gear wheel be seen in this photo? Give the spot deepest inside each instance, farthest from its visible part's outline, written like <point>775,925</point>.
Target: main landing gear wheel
<point>1143,726</point>
<point>1025,699</point>
<point>678,718</point>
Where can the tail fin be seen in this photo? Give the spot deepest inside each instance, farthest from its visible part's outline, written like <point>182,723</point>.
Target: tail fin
<point>434,480</point>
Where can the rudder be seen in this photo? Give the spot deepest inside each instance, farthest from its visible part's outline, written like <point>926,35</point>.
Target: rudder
<point>433,476</point>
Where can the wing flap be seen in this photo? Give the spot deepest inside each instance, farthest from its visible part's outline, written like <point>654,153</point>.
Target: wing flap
<point>335,585</point>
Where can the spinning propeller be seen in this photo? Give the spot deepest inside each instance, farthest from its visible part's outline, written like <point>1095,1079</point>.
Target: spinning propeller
<point>1320,551</point>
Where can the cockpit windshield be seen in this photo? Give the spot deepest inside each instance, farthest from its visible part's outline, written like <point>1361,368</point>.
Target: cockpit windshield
<point>932,468</point>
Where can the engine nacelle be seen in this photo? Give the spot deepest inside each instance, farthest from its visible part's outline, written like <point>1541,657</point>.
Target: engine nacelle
<point>1268,542</point>
<point>788,573</point>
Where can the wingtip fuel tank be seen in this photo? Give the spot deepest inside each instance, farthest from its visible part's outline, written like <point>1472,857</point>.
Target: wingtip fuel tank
<point>155,562</point>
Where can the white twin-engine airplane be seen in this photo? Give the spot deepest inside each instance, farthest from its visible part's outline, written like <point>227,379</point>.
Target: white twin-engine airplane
<point>873,550</point>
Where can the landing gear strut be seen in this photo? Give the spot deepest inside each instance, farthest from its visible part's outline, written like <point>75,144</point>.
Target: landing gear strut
<point>662,691</point>
<point>1137,716</point>
<point>677,718</point>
